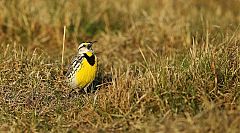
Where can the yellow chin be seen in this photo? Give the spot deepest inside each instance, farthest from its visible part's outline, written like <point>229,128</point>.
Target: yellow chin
<point>89,53</point>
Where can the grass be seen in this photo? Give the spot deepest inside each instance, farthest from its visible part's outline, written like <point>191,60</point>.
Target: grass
<point>164,66</point>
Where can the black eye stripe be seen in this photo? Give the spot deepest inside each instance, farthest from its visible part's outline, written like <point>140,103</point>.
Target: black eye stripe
<point>82,46</point>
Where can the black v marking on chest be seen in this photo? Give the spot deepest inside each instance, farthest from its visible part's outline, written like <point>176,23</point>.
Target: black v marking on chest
<point>90,59</point>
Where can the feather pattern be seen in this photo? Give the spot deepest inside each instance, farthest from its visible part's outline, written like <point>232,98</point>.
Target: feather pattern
<point>75,64</point>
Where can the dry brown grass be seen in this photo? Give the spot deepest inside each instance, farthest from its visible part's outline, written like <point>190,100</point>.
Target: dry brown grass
<point>165,66</point>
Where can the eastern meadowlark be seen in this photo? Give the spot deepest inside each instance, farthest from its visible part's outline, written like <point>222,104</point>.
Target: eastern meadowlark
<point>83,68</point>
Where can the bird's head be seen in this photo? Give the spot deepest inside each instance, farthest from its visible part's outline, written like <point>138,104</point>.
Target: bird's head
<point>85,47</point>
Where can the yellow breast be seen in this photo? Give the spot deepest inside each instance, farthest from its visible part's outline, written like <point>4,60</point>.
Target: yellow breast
<point>85,74</point>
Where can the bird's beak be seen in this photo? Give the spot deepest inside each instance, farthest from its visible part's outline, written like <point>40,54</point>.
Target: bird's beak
<point>91,43</point>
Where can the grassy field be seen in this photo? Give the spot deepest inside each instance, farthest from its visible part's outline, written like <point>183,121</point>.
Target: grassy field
<point>164,66</point>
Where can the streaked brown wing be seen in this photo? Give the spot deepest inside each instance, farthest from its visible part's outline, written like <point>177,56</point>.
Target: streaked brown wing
<point>75,64</point>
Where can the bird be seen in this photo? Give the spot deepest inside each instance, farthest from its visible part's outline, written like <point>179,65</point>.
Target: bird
<point>83,68</point>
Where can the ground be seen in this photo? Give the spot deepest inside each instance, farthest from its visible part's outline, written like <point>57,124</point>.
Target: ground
<point>164,66</point>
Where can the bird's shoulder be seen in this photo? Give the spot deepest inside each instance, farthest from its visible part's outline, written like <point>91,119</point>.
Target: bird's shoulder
<point>74,65</point>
